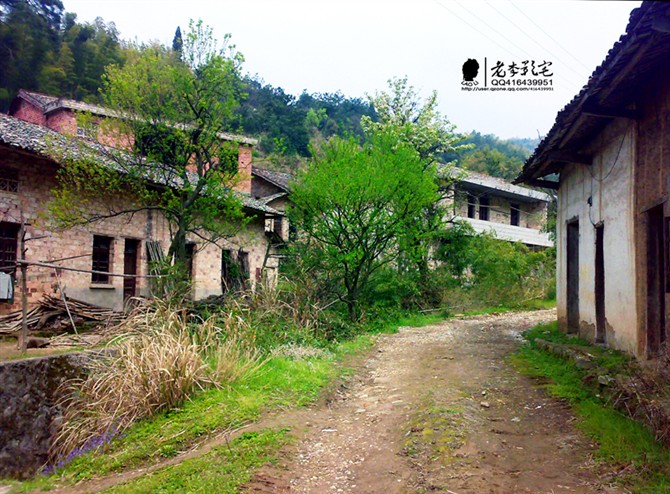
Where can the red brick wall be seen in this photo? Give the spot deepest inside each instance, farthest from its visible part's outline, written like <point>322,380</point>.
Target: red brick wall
<point>30,113</point>
<point>244,158</point>
<point>63,121</point>
<point>37,178</point>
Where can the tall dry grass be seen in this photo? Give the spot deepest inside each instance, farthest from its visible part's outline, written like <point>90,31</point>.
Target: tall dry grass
<point>158,360</point>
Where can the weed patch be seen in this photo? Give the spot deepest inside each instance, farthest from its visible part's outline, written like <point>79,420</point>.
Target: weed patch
<point>223,470</point>
<point>624,446</point>
<point>433,432</point>
<point>283,382</point>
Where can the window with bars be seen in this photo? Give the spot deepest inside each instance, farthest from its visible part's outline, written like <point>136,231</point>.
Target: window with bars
<point>9,180</point>
<point>9,238</point>
<point>102,255</point>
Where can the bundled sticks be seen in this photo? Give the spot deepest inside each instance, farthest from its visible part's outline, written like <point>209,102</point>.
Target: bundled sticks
<point>50,308</point>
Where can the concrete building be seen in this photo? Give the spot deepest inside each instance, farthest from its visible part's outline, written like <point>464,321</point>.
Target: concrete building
<point>611,150</point>
<point>494,205</point>
<point>118,245</point>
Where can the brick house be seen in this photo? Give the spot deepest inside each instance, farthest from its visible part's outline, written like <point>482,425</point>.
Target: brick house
<point>610,148</point>
<point>494,205</point>
<point>119,245</point>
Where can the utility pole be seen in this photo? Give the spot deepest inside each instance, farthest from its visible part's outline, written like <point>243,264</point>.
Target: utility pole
<point>24,286</point>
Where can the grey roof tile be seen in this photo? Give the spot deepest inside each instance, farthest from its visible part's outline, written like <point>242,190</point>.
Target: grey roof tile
<point>45,142</point>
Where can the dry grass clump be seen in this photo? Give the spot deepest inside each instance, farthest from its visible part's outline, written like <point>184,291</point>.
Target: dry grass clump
<point>156,363</point>
<point>235,360</point>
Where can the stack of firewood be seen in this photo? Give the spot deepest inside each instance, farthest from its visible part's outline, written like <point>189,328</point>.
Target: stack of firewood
<point>51,308</point>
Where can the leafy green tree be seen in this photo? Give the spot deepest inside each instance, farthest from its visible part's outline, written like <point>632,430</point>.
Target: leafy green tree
<point>175,162</point>
<point>403,114</point>
<point>355,206</point>
<point>401,111</point>
<point>28,38</point>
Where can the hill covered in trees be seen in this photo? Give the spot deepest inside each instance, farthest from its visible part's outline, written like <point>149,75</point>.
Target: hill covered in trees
<point>44,48</point>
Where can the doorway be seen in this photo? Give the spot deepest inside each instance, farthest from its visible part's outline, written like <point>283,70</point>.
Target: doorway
<point>655,281</point>
<point>130,267</point>
<point>573,276</point>
<point>601,330</point>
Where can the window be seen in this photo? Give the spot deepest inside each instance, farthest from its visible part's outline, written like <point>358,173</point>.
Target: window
<point>9,236</point>
<point>472,204</point>
<point>102,255</point>
<point>484,208</point>
<point>9,180</point>
<point>514,214</point>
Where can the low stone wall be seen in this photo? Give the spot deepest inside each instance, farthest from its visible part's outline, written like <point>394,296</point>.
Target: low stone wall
<point>29,414</point>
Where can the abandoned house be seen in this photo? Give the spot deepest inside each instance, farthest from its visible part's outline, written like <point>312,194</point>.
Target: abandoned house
<point>494,205</point>
<point>610,147</point>
<point>120,245</point>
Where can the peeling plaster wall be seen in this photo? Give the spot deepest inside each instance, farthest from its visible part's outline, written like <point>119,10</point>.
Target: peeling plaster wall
<point>609,182</point>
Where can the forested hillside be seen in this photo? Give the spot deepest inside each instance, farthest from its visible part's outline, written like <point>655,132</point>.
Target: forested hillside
<point>45,49</point>
<point>494,156</point>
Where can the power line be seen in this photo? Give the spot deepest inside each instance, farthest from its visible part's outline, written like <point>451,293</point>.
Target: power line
<point>515,55</point>
<point>491,28</point>
<point>550,37</point>
<point>567,79</point>
<point>473,27</point>
<point>556,57</point>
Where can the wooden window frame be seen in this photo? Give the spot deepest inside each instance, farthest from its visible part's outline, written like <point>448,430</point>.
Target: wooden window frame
<point>101,259</point>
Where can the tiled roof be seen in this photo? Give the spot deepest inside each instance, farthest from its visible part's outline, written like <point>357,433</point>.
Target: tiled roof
<point>622,67</point>
<point>47,104</point>
<point>43,141</point>
<point>501,185</point>
<point>279,179</point>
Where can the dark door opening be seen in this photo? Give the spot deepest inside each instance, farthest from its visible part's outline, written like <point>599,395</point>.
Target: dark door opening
<point>130,267</point>
<point>601,331</point>
<point>514,214</point>
<point>484,204</point>
<point>573,276</point>
<point>655,281</point>
<point>228,271</point>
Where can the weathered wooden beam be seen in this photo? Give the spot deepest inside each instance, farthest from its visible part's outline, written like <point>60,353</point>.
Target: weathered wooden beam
<point>661,25</point>
<point>569,157</point>
<point>546,184</point>
<point>600,111</point>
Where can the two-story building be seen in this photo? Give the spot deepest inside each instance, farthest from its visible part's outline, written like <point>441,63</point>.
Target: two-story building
<point>91,256</point>
<point>494,205</point>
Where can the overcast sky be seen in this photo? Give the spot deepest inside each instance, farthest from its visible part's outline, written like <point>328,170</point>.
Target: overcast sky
<point>356,46</point>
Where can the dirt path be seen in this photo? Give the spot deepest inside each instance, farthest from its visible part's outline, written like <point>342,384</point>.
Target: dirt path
<point>439,409</point>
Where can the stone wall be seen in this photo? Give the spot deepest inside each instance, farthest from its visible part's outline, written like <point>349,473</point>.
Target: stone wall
<point>29,413</point>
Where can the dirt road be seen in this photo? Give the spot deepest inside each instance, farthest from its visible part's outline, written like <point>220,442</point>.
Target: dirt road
<point>439,409</point>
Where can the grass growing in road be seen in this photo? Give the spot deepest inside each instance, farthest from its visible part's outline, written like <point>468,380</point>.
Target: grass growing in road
<point>223,470</point>
<point>624,445</point>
